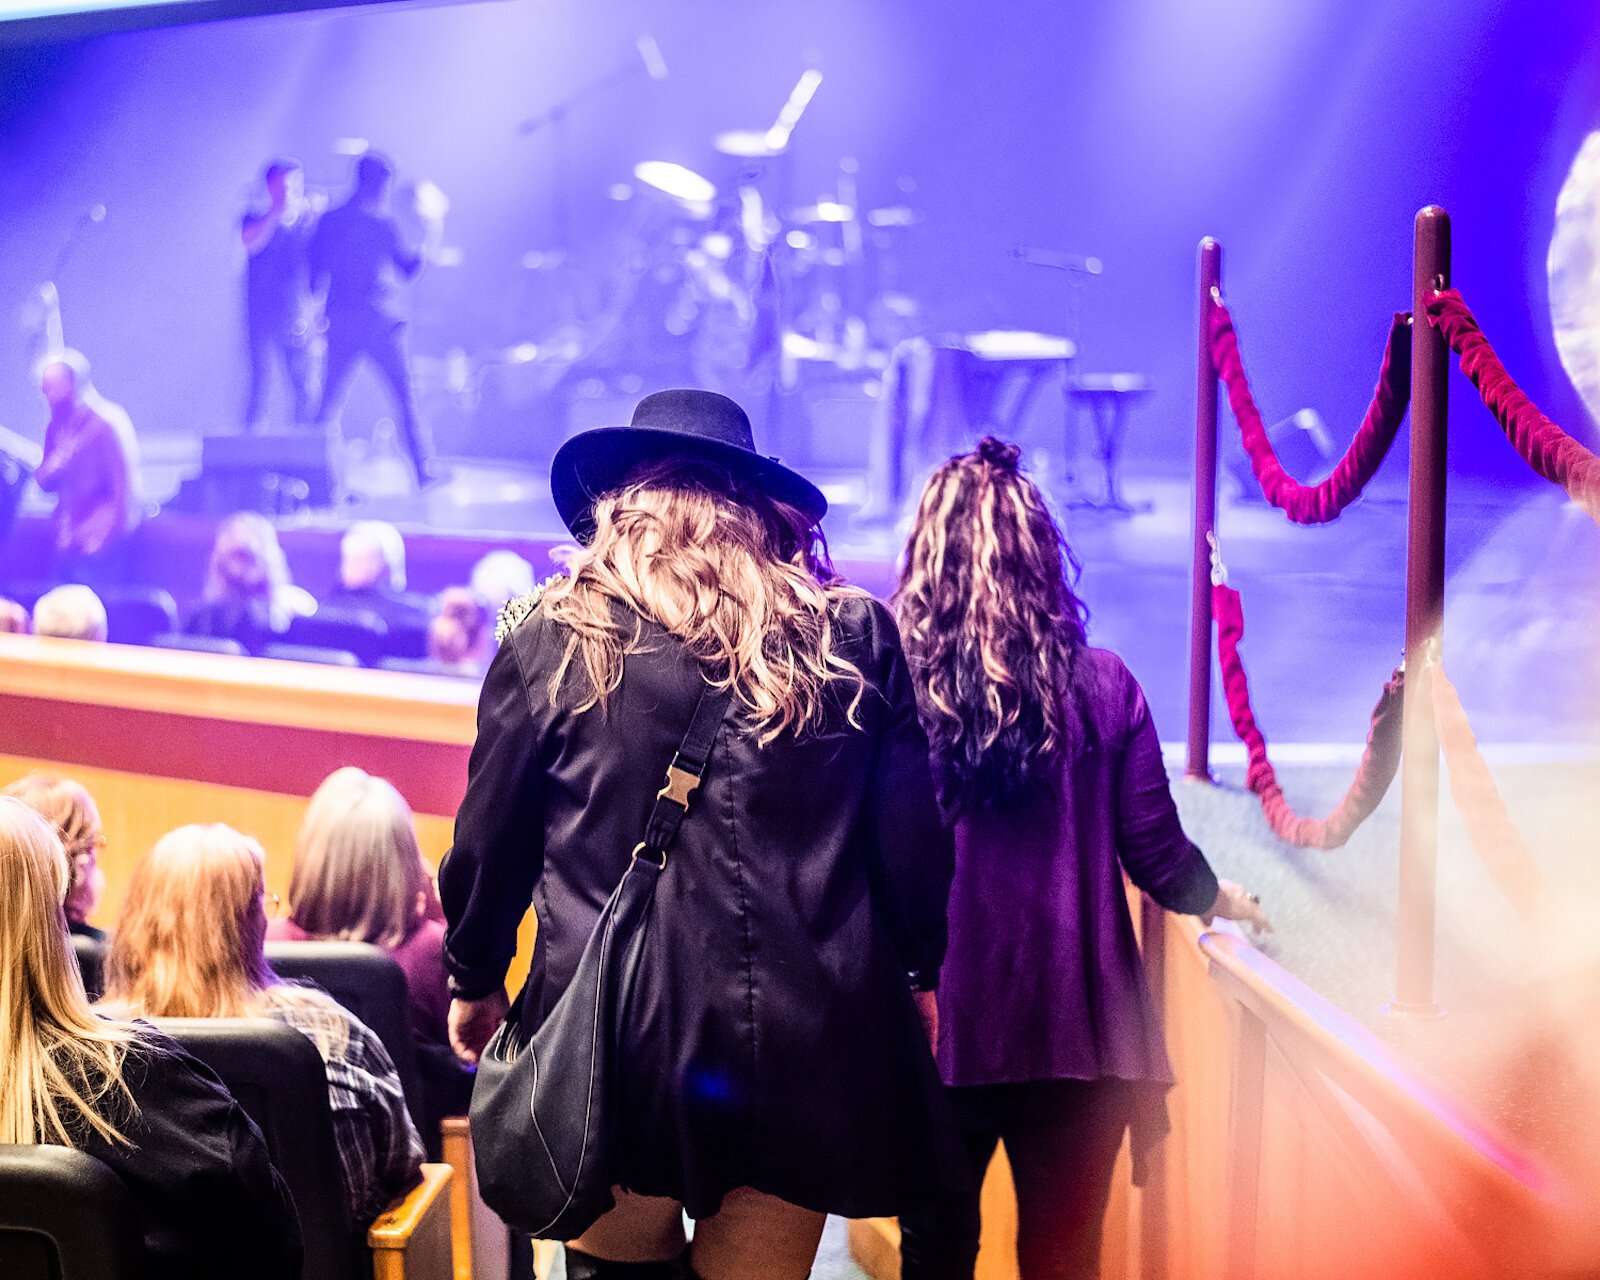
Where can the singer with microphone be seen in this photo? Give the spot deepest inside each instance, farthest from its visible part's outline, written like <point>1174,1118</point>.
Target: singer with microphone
<point>278,291</point>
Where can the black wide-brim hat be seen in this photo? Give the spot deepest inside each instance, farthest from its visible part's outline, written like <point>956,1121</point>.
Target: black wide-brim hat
<point>683,423</point>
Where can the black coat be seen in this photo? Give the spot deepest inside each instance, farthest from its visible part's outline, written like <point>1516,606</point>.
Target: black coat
<point>774,1043</point>
<point>209,1201</point>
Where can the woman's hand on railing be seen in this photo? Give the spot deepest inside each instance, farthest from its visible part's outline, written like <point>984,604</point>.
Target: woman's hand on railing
<point>1234,902</point>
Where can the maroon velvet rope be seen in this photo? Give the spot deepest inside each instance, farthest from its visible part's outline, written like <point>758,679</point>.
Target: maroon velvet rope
<point>1318,503</point>
<point>1500,847</point>
<point>1373,775</point>
<point>1543,445</point>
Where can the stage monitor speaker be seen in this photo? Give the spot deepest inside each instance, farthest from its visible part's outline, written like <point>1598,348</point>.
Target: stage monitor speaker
<point>270,473</point>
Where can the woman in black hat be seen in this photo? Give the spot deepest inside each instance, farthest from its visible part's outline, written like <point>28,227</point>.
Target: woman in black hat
<point>776,1065</point>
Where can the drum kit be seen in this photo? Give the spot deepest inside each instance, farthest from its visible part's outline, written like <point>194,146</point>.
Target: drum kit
<point>727,284</point>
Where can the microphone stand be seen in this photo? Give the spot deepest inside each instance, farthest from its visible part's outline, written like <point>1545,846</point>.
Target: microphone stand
<point>555,119</point>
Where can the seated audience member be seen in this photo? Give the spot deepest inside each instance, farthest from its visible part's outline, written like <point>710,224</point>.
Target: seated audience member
<point>13,618</point>
<point>359,877</point>
<point>372,576</point>
<point>188,944</point>
<point>500,577</point>
<point>71,810</point>
<point>461,635</point>
<point>249,595</point>
<point>72,612</point>
<point>208,1199</point>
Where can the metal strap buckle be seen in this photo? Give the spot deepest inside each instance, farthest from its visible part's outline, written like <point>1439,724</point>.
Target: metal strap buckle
<point>641,847</point>
<point>680,786</point>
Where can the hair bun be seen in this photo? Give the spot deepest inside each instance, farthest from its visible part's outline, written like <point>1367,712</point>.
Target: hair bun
<point>999,453</point>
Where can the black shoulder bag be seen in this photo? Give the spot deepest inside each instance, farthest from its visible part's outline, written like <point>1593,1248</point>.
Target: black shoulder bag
<point>542,1126</point>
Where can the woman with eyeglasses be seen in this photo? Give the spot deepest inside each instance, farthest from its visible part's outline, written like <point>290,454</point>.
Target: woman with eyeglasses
<point>189,943</point>
<point>68,807</point>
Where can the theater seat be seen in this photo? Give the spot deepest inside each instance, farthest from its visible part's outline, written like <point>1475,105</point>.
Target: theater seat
<point>427,667</point>
<point>91,953</point>
<point>310,653</point>
<point>370,983</point>
<point>65,1216</point>
<point>279,1079</point>
<point>198,644</point>
<point>135,614</point>
<point>357,631</point>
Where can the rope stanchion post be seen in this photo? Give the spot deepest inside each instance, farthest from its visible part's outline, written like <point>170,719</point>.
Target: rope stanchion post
<point>1205,519</point>
<point>1419,775</point>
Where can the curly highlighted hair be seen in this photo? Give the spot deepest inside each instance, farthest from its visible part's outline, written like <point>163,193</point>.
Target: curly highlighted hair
<point>992,629</point>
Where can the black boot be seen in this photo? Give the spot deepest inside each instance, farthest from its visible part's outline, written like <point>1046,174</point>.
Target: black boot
<point>584,1266</point>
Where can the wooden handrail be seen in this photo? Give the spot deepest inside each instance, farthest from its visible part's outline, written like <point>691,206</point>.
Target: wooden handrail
<point>1364,1067</point>
<point>381,704</point>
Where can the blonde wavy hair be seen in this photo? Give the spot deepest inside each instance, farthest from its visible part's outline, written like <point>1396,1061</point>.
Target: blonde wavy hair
<point>189,942</point>
<point>743,579</point>
<point>358,873</point>
<point>63,1063</point>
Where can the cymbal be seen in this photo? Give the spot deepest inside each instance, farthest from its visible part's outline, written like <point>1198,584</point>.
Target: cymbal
<point>675,180</point>
<point>896,215</point>
<point>825,211</point>
<point>748,144</point>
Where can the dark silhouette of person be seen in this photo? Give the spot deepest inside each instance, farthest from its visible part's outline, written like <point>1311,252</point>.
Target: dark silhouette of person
<point>358,261</point>
<point>277,295</point>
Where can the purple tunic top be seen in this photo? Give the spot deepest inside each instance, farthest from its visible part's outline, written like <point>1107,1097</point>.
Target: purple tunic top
<point>1043,979</point>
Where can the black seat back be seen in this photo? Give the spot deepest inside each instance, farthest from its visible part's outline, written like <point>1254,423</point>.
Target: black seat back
<point>370,983</point>
<point>135,614</point>
<point>358,631</point>
<point>198,644</point>
<point>280,1080</point>
<point>65,1216</point>
<point>91,953</point>
<point>310,653</point>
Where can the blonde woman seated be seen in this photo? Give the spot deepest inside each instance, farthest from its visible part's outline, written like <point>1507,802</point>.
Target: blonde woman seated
<point>188,944</point>
<point>249,595</point>
<point>359,877</point>
<point>71,810</point>
<point>208,1199</point>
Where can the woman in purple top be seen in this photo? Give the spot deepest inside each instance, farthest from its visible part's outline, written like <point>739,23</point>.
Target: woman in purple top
<point>1049,769</point>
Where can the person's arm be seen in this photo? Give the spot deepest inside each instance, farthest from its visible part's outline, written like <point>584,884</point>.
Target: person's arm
<point>379,1149</point>
<point>257,228</point>
<point>911,855</point>
<point>1155,852</point>
<point>408,261</point>
<point>61,445</point>
<point>1158,856</point>
<point>486,880</point>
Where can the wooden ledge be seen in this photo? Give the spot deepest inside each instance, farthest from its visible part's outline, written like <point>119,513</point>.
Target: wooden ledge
<point>209,686</point>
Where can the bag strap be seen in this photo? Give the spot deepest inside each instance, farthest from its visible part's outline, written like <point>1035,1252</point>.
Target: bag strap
<point>684,773</point>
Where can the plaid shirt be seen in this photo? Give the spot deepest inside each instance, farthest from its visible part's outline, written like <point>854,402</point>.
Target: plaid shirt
<point>380,1154</point>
